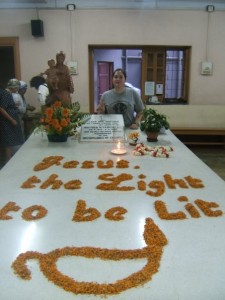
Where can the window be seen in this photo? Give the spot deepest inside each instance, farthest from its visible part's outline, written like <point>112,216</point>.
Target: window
<point>167,66</point>
<point>167,69</point>
<point>174,74</point>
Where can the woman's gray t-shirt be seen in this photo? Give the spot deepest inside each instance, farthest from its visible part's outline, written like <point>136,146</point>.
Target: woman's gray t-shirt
<point>125,103</point>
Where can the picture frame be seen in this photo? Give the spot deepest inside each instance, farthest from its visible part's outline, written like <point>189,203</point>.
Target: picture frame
<point>72,65</point>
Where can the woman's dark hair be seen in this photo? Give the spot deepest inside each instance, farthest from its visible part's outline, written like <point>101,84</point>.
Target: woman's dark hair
<point>36,81</point>
<point>122,71</point>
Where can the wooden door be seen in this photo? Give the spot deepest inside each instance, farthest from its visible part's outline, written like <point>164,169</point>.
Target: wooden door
<point>153,69</point>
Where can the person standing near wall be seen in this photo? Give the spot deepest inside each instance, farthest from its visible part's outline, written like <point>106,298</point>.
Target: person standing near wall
<point>22,91</point>
<point>25,117</point>
<point>39,83</point>
<point>18,89</point>
<point>13,87</point>
<point>11,136</point>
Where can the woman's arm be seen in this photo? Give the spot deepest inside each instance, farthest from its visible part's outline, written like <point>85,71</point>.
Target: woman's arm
<point>7,116</point>
<point>138,118</point>
<point>138,107</point>
<point>101,107</point>
<point>137,121</point>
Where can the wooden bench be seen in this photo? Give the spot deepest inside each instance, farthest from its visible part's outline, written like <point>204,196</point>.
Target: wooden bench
<point>200,136</point>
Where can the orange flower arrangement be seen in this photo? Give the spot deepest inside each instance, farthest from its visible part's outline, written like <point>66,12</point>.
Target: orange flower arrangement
<point>133,137</point>
<point>60,120</point>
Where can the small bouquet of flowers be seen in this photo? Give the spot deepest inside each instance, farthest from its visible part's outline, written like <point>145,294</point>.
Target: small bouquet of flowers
<point>60,120</point>
<point>133,137</point>
<point>154,151</point>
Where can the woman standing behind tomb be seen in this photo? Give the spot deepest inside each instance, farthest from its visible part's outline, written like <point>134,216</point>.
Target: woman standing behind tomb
<point>122,100</point>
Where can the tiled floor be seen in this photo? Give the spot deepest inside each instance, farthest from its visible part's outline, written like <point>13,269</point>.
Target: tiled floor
<point>214,157</point>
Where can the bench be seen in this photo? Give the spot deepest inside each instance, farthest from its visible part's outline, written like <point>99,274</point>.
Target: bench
<point>196,124</point>
<point>200,136</point>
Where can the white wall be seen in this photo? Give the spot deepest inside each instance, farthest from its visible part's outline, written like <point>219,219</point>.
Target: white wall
<point>135,27</point>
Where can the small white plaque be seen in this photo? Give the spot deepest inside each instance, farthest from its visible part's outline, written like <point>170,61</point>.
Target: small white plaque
<point>72,65</point>
<point>102,128</point>
<point>149,88</point>
<point>159,89</point>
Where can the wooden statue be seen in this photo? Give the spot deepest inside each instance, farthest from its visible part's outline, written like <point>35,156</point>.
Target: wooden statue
<point>64,82</point>
<point>52,78</point>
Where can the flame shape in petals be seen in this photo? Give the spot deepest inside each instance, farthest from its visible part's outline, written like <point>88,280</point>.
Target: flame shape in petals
<point>155,241</point>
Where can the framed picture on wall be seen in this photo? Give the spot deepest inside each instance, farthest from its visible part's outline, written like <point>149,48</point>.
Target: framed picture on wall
<point>149,88</point>
<point>72,65</point>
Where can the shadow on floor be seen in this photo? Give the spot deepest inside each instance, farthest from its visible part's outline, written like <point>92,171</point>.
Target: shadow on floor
<point>214,157</point>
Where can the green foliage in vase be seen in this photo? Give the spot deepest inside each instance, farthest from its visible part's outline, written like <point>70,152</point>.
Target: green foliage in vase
<point>153,121</point>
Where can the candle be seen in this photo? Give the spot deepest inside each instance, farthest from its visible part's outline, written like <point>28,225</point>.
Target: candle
<point>119,147</point>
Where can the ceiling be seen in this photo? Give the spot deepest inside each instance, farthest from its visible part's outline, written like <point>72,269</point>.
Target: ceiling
<point>116,4</point>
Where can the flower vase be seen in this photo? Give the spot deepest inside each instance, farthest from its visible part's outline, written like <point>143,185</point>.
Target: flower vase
<point>57,138</point>
<point>133,142</point>
<point>152,136</point>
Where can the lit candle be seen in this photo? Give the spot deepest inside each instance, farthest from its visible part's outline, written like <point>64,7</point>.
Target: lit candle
<point>119,147</point>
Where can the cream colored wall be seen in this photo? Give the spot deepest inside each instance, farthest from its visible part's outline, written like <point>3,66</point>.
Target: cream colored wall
<point>194,116</point>
<point>143,27</point>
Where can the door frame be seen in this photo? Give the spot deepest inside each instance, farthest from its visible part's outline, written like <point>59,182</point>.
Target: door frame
<point>13,42</point>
